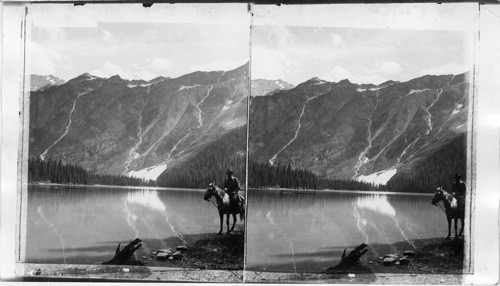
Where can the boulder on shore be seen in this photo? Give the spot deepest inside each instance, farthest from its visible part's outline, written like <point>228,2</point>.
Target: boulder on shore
<point>395,256</point>
<point>177,255</point>
<point>164,250</point>
<point>404,260</point>
<point>388,261</point>
<point>162,255</point>
<point>409,253</point>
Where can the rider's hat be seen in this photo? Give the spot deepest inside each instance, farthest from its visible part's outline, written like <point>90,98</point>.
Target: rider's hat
<point>457,176</point>
<point>228,171</point>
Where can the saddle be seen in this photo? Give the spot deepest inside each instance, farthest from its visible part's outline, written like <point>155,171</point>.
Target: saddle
<point>236,198</point>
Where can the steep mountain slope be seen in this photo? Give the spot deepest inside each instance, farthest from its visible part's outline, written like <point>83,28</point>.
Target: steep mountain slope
<point>426,173</point>
<point>262,87</point>
<point>210,163</point>
<point>344,130</point>
<point>41,81</point>
<point>117,126</point>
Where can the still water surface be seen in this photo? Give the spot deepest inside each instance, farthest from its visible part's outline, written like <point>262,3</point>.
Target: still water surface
<point>308,232</point>
<point>84,225</point>
<point>285,232</point>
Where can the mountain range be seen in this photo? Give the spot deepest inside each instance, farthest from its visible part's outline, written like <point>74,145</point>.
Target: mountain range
<point>342,130</point>
<point>116,126</point>
<point>338,130</point>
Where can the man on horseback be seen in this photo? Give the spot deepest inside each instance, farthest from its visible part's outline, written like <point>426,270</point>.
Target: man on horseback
<point>232,186</point>
<point>458,189</point>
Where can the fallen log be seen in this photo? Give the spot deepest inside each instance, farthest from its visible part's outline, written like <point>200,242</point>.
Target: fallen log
<point>126,255</point>
<point>351,260</point>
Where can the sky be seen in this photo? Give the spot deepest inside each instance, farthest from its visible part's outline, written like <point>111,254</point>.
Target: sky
<point>296,54</point>
<point>137,50</point>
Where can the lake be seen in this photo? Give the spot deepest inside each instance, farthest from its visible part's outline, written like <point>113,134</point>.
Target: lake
<point>83,225</point>
<point>308,232</point>
<point>285,231</point>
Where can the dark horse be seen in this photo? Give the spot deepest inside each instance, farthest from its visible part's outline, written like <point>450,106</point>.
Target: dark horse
<point>454,209</point>
<point>223,205</point>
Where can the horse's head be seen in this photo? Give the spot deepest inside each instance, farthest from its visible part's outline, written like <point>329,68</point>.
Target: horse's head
<point>438,195</point>
<point>210,192</point>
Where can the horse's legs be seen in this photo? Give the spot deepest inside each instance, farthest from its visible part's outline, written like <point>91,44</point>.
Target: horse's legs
<point>227,222</point>
<point>462,229</point>
<point>449,227</point>
<point>456,222</point>
<point>234,221</point>
<point>221,216</point>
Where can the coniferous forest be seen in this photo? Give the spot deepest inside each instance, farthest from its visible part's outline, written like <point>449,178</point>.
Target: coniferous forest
<point>435,170</point>
<point>57,172</point>
<point>263,175</point>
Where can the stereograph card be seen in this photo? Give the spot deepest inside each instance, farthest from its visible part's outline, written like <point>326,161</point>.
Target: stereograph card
<point>247,143</point>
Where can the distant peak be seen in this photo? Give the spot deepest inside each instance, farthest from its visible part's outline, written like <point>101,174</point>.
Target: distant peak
<point>344,81</point>
<point>315,80</point>
<point>85,75</point>
<point>387,83</point>
<point>44,81</point>
<point>158,79</point>
<point>115,78</point>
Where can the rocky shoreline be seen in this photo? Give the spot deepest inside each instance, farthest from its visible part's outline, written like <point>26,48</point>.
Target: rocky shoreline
<point>434,256</point>
<point>201,251</point>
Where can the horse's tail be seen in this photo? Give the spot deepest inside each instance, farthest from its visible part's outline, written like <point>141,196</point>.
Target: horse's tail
<point>242,213</point>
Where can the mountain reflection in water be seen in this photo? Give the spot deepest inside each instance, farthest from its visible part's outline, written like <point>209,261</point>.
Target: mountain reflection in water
<point>84,225</point>
<point>309,231</point>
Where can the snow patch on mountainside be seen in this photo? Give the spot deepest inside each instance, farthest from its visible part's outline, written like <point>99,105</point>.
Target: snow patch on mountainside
<point>457,109</point>
<point>150,173</point>
<point>281,85</point>
<point>50,79</point>
<point>183,87</point>
<point>227,105</point>
<point>359,89</point>
<point>416,91</point>
<point>378,178</point>
<point>89,77</point>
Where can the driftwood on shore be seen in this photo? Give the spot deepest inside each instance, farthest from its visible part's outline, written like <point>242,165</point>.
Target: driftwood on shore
<point>351,260</point>
<point>126,255</point>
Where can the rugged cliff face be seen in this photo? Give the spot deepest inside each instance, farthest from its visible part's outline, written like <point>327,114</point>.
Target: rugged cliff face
<point>348,131</point>
<point>135,127</point>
